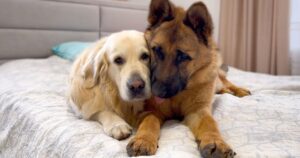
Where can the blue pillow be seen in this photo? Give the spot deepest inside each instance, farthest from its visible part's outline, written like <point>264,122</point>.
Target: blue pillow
<point>70,50</point>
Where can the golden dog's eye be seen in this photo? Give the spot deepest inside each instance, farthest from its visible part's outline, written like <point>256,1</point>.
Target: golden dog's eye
<point>119,61</point>
<point>145,56</point>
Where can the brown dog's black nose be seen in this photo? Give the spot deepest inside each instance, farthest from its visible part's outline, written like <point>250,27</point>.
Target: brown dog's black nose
<point>136,84</point>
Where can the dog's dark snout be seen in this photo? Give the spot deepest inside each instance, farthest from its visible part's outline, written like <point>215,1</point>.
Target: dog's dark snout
<point>136,84</point>
<point>167,88</point>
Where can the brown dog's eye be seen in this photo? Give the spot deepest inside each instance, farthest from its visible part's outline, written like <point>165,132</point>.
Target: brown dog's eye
<point>159,53</point>
<point>182,57</point>
<point>119,61</point>
<point>144,56</point>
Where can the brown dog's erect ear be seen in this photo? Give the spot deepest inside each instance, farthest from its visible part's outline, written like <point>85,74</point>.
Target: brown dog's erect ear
<point>160,11</point>
<point>95,67</point>
<point>199,20</point>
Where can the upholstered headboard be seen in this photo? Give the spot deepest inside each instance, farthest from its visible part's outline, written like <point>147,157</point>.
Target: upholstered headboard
<point>28,29</point>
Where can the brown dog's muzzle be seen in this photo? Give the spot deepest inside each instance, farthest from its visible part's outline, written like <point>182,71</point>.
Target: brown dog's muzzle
<point>167,88</point>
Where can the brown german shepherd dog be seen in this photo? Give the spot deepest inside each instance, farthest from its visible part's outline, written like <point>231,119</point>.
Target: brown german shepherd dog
<point>185,75</point>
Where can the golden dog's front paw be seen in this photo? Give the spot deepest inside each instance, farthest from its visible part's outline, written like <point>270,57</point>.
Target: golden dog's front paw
<point>214,147</point>
<point>141,146</point>
<point>119,132</point>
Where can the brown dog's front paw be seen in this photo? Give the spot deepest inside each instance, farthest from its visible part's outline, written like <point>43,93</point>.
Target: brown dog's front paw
<point>215,148</point>
<point>141,146</point>
<point>213,151</point>
<point>241,92</point>
<point>225,90</point>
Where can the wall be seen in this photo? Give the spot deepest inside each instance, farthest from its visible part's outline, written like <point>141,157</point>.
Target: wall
<point>295,37</point>
<point>213,6</point>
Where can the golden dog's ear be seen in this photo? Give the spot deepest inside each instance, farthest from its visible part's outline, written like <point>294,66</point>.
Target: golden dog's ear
<point>95,66</point>
<point>160,11</point>
<point>199,20</point>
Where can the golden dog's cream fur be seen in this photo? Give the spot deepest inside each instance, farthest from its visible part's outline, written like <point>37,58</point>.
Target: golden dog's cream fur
<point>98,86</point>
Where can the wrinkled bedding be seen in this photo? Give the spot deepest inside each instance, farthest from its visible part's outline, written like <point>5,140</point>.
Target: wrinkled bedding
<point>35,120</point>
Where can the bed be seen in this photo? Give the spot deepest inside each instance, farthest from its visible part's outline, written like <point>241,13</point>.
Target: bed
<point>35,120</point>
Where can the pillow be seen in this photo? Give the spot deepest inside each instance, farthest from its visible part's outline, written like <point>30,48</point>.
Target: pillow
<point>70,50</point>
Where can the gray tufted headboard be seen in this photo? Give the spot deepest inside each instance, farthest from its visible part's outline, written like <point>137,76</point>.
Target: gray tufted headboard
<point>29,28</point>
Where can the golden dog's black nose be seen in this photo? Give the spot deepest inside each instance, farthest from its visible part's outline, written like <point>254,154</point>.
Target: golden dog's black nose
<point>136,84</point>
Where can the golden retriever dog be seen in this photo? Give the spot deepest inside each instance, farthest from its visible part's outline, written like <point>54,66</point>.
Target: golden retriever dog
<point>110,81</point>
<point>185,75</point>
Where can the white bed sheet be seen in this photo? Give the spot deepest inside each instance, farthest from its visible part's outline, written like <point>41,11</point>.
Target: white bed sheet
<point>35,120</point>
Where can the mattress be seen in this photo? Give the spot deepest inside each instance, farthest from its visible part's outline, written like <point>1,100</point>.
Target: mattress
<point>35,120</point>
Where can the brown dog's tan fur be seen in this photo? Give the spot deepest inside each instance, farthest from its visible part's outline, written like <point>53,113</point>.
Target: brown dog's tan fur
<point>172,28</point>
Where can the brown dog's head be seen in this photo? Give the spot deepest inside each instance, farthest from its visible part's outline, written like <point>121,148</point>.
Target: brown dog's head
<point>181,45</point>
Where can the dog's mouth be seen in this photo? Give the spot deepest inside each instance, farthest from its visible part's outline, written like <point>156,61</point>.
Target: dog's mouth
<point>138,97</point>
<point>159,100</point>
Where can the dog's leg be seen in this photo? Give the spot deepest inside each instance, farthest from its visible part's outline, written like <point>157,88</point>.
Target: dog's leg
<point>207,134</point>
<point>146,140</point>
<point>114,125</point>
<point>228,87</point>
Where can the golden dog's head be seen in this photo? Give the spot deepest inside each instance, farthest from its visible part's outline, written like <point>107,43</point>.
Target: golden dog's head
<point>123,58</point>
<point>181,45</point>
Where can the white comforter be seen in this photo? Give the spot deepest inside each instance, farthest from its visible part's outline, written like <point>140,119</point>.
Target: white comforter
<point>35,120</point>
